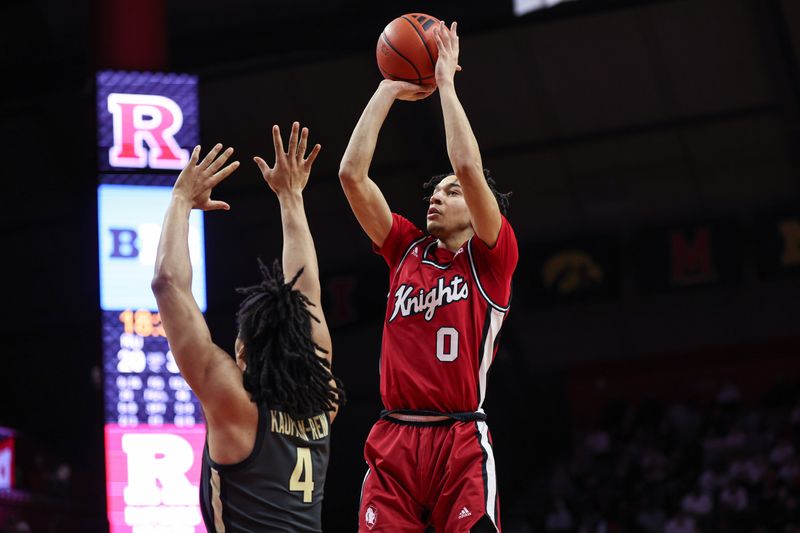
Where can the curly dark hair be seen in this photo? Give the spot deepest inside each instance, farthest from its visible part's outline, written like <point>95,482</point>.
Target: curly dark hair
<point>501,197</point>
<point>283,367</point>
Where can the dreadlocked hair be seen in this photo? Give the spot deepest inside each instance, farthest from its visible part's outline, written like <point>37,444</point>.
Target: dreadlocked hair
<point>283,367</point>
<point>501,197</point>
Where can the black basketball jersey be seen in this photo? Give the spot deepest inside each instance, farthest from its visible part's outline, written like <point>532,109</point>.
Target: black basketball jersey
<point>278,487</point>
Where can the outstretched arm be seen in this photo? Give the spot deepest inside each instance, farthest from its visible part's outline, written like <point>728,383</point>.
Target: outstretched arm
<point>462,147</point>
<point>364,196</point>
<point>208,370</point>
<point>287,179</point>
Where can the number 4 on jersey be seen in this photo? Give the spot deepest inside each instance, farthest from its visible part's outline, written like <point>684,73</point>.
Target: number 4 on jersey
<point>303,469</point>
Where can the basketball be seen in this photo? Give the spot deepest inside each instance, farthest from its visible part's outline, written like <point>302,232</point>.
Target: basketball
<point>407,50</point>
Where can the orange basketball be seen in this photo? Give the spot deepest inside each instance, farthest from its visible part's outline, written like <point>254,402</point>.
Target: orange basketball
<point>407,50</point>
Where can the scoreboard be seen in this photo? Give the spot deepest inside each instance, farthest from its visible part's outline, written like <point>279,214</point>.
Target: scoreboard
<point>147,124</point>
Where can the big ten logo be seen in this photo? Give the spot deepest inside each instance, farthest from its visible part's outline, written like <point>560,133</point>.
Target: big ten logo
<point>159,492</point>
<point>144,132</point>
<point>140,243</point>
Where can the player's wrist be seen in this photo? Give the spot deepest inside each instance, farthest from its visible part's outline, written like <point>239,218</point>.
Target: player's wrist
<point>182,201</point>
<point>446,83</point>
<point>389,88</point>
<point>290,196</point>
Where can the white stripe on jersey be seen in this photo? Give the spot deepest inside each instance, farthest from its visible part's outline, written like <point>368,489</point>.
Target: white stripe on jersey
<point>363,482</point>
<point>478,281</point>
<point>216,501</point>
<point>487,350</point>
<point>491,476</point>
<point>431,263</point>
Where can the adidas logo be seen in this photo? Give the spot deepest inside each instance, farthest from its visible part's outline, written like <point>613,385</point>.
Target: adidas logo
<point>425,21</point>
<point>464,513</point>
<point>415,253</point>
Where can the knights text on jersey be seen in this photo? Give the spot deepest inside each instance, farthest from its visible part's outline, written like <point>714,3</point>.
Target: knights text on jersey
<point>443,317</point>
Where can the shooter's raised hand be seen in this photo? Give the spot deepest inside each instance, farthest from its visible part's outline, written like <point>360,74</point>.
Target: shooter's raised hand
<point>447,41</point>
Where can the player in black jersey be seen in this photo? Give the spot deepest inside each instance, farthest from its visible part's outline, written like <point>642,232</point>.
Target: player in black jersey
<point>268,410</point>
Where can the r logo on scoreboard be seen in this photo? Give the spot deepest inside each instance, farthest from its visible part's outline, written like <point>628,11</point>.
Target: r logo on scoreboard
<point>144,132</point>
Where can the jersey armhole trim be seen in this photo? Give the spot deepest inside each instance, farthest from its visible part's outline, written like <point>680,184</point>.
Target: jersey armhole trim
<point>410,247</point>
<point>478,281</point>
<point>260,430</point>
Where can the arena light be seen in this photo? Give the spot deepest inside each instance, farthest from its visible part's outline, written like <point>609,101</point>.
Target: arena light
<point>522,7</point>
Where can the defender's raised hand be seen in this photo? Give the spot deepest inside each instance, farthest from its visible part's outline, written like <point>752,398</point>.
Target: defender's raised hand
<point>291,169</point>
<point>447,41</point>
<point>196,180</point>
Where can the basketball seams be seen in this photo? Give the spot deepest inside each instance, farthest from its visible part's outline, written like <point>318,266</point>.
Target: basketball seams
<point>396,51</point>
<point>391,76</point>
<point>424,42</point>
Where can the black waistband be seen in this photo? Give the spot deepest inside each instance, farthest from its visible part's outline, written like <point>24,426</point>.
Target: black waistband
<point>468,416</point>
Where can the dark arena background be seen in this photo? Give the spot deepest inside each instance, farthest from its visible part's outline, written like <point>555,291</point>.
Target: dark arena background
<point>648,375</point>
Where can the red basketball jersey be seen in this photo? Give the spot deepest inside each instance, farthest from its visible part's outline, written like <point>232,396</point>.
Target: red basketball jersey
<point>443,317</point>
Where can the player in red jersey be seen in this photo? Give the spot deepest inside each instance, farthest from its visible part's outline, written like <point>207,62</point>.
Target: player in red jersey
<point>429,456</point>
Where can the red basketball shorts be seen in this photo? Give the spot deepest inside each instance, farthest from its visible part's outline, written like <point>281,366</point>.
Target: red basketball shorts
<point>440,474</point>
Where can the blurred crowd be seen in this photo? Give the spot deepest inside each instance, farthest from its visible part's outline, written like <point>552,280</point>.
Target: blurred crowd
<point>677,467</point>
<point>43,495</point>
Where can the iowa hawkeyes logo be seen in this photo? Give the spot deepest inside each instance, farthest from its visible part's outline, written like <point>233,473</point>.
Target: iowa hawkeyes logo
<point>571,271</point>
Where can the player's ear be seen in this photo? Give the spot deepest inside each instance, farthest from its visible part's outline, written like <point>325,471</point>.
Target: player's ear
<point>239,353</point>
